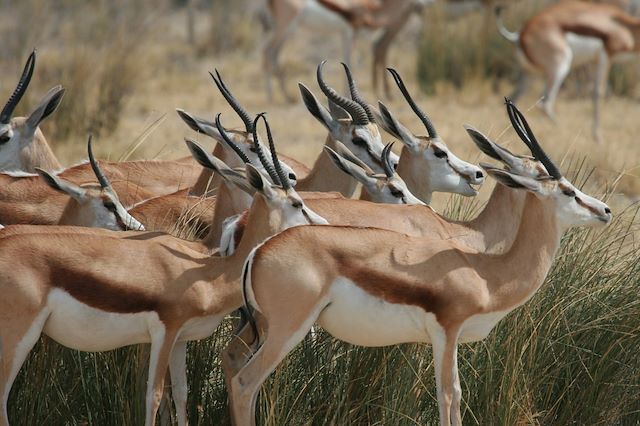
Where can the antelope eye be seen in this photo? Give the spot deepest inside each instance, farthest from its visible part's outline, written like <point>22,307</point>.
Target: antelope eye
<point>570,193</point>
<point>439,153</point>
<point>577,199</point>
<point>110,206</point>
<point>252,149</point>
<point>396,193</point>
<point>297,204</point>
<point>5,138</point>
<point>359,141</point>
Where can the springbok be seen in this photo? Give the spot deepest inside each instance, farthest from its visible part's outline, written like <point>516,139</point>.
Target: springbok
<point>567,34</point>
<point>373,287</point>
<point>23,146</point>
<point>389,16</point>
<point>207,183</point>
<point>387,188</point>
<point>92,205</point>
<point>77,287</point>
<point>445,172</point>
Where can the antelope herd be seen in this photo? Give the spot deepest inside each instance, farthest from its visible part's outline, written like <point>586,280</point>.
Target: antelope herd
<point>108,270</point>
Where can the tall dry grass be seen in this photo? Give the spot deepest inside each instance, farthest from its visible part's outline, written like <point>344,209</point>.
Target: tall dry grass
<point>569,356</point>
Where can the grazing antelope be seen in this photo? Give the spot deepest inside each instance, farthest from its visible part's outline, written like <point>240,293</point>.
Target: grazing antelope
<point>372,287</point>
<point>79,290</point>
<point>567,34</point>
<point>207,184</point>
<point>389,16</point>
<point>23,146</point>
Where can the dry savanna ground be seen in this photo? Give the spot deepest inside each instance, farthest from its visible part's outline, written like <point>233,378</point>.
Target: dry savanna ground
<point>161,71</point>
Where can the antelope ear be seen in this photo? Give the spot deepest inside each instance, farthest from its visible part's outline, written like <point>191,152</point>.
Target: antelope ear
<point>315,108</point>
<point>61,185</point>
<point>392,126</point>
<point>344,152</point>
<point>349,168</point>
<point>490,148</point>
<point>513,180</point>
<point>200,125</point>
<point>259,182</point>
<point>45,107</point>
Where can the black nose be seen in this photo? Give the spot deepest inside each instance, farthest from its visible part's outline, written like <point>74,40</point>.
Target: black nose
<point>607,210</point>
<point>292,176</point>
<point>479,175</point>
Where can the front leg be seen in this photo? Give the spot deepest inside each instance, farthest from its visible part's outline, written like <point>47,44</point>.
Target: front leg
<point>444,344</point>
<point>162,341</point>
<point>178,370</point>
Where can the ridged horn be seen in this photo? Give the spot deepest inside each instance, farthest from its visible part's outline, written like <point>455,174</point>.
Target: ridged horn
<point>102,179</point>
<point>233,102</point>
<point>355,93</point>
<point>263,159</point>
<point>284,179</point>
<point>386,163</point>
<point>530,139</point>
<point>27,72</point>
<point>229,142</point>
<point>431,130</point>
<point>358,114</point>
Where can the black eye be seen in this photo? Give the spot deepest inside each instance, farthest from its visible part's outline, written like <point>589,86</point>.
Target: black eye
<point>297,204</point>
<point>5,138</point>
<point>577,199</point>
<point>396,193</point>
<point>569,192</point>
<point>439,153</point>
<point>252,149</point>
<point>359,141</point>
<point>110,206</point>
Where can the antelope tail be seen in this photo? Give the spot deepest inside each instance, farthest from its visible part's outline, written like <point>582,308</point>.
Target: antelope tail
<point>513,37</point>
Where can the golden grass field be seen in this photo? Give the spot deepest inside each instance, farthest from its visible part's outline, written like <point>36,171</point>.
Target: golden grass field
<point>166,72</point>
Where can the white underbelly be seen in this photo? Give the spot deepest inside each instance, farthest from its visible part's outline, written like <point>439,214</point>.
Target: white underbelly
<point>200,327</point>
<point>79,326</point>
<point>584,49</point>
<point>479,326</point>
<point>357,317</point>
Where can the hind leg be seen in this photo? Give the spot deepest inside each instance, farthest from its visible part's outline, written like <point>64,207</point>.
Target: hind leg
<point>555,73</point>
<point>178,370</point>
<point>15,344</point>
<point>283,334</point>
<point>602,74</point>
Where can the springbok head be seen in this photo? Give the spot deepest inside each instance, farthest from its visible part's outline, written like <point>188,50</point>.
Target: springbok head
<point>349,121</point>
<point>285,207</point>
<point>387,188</point>
<point>241,139</point>
<point>426,164</point>
<point>572,206</point>
<point>523,165</point>
<point>20,135</point>
<point>93,206</point>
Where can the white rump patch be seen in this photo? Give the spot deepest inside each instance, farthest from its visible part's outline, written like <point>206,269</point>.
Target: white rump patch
<point>227,239</point>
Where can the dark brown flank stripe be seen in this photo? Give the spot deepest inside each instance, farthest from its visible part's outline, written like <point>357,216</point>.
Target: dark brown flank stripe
<point>93,290</point>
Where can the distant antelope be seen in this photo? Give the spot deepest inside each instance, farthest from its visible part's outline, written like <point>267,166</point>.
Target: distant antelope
<point>568,34</point>
<point>80,290</point>
<point>372,287</point>
<point>389,16</point>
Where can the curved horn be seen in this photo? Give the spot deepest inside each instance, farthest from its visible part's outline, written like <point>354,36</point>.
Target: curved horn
<point>355,93</point>
<point>284,179</point>
<point>229,142</point>
<point>358,114</point>
<point>386,164</point>
<point>431,130</point>
<point>102,179</point>
<point>515,122</point>
<point>233,102</point>
<point>17,94</point>
<point>533,144</point>
<point>263,159</point>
